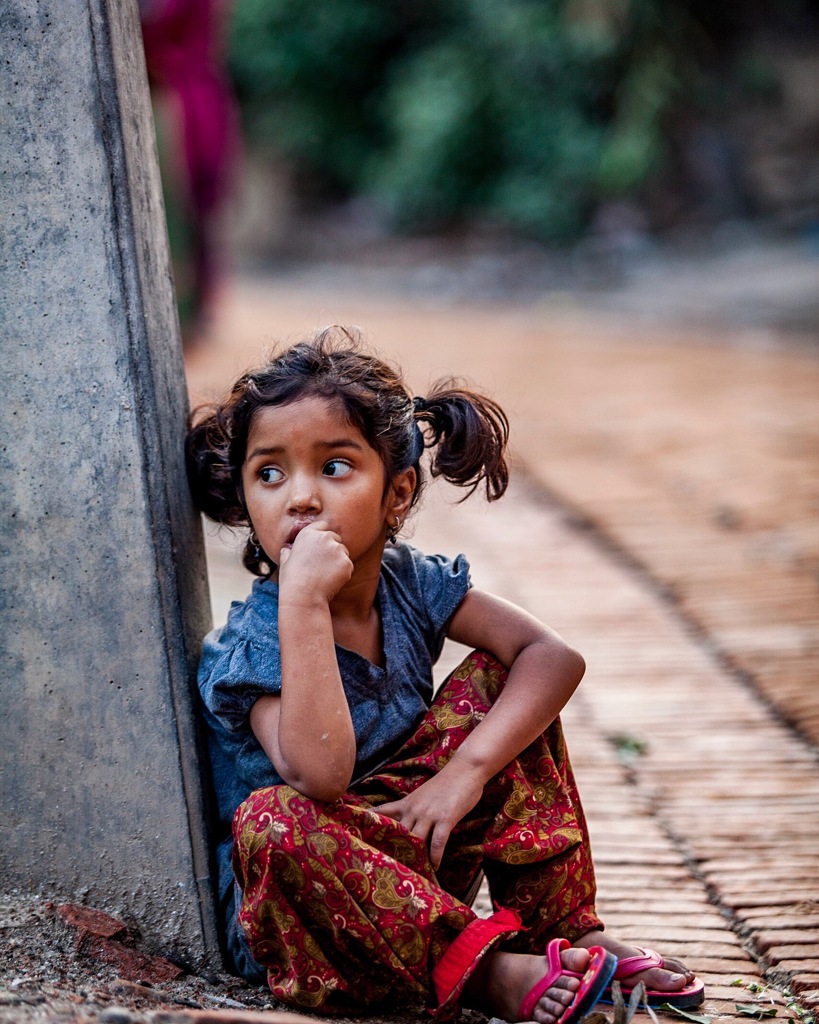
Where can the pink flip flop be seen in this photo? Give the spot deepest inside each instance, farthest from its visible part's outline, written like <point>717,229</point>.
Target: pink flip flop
<point>683,999</point>
<point>592,984</point>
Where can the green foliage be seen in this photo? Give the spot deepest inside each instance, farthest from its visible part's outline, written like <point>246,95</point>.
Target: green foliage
<point>306,77</point>
<point>525,112</point>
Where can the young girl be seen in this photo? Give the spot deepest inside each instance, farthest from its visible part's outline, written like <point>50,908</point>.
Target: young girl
<point>364,810</point>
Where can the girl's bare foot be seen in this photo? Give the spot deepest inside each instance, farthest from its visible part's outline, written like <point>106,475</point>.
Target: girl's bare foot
<point>502,980</point>
<point>670,978</point>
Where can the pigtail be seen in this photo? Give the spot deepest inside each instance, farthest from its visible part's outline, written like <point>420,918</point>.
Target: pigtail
<point>211,474</point>
<point>469,433</point>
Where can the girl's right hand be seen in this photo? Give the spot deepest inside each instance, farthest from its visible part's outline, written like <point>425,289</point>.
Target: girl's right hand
<point>315,566</point>
<point>433,809</point>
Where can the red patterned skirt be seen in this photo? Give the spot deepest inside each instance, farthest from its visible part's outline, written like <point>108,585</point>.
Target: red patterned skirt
<point>341,904</point>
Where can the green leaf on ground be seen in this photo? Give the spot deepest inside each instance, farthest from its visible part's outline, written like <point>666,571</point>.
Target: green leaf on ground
<point>629,748</point>
<point>755,1010</point>
<point>698,1018</point>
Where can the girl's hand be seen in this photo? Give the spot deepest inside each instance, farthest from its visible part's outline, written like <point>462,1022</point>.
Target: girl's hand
<point>435,808</point>
<point>315,565</point>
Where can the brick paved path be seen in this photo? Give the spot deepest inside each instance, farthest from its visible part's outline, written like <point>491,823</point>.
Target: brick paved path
<point>703,803</point>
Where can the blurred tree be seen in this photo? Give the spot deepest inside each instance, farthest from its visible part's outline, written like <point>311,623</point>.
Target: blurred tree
<point>528,113</point>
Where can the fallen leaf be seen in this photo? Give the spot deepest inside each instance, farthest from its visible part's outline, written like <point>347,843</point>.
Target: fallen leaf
<point>698,1018</point>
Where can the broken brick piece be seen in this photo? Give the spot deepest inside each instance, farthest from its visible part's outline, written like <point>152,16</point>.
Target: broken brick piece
<point>131,964</point>
<point>106,938</point>
<point>87,922</point>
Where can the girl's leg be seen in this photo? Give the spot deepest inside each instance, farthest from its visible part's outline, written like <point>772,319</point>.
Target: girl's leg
<point>341,906</point>
<point>528,833</point>
<point>538,857</point>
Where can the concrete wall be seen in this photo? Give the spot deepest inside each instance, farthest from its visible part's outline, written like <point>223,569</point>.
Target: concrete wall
<point>104,592</point>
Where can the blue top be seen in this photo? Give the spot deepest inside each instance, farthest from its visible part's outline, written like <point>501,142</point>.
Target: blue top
<point>417,596</point>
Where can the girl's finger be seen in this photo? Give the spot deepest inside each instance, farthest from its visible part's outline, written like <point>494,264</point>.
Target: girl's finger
<point>391,809</point>
<point>437,844</point>
<point>418,828</point>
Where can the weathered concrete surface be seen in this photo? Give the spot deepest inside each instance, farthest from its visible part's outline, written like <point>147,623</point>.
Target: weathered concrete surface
<point>104,593</point>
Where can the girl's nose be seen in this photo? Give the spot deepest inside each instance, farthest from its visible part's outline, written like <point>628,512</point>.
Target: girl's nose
<point>303,496</point>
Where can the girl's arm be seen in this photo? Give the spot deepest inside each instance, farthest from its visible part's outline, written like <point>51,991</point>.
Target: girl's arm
<point>543,674</point>
<point>307,732</point>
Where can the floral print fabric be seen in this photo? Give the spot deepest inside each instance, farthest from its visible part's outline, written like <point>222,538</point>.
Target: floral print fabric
<point>341,904</point>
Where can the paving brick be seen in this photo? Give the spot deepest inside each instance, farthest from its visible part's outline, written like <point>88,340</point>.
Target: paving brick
<point>765,940</point>
<point>750,901</point>
<point>807,954</point>
<point>766,860</point>
<point>656,929</point>
<point>668,862</point>
<point>789,873</point>
<point>725,951</point>
<point>804,980</point>
<point>774,919</point>
<point>715,844</point>
<point>792,967</point>
<point>660,873</point>
<point>661,937</point>
<point>692,900</point>
<point>748,974</point>
<point>722,989</point>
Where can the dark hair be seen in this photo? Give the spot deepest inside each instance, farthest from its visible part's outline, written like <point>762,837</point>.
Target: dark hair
<point>468,431</point>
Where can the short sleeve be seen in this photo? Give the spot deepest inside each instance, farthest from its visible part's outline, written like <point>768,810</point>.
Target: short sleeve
<point>429,589</point>
<point>240,663</point>
<point>444,583</point>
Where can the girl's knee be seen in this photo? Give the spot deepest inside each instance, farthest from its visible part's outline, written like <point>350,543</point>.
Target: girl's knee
<point>267,812</point>
<point>480,676</point>
<point>479,660</point>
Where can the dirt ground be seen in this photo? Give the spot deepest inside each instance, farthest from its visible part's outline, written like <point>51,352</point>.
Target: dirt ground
<point>45,980</point>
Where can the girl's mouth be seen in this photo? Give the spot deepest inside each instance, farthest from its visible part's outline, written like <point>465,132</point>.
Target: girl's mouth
<point>298,526</point>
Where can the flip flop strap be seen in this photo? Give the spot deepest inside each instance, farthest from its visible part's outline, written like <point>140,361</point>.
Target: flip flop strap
<point>634,964</point>
<point>555,969</point>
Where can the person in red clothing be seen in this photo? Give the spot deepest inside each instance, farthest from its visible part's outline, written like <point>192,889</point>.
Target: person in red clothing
<point>198,141</point>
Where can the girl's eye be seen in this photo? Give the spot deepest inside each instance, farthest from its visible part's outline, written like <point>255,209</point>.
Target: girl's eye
<point>270,475</point>
<point>337,467</point>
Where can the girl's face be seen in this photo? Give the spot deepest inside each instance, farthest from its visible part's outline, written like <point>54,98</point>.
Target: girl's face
<point>306,463</point>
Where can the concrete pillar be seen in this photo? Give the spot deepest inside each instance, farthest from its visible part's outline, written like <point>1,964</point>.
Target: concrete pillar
<point>104,591</point>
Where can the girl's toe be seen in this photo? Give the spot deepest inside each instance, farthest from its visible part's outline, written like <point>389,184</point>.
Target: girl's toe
<point>575,959</point>
<point>554,1000</point>
<point>660,980</point>
<point>549,1010</point>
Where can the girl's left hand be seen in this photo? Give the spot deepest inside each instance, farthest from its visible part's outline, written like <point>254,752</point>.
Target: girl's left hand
<point>435,808</point>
